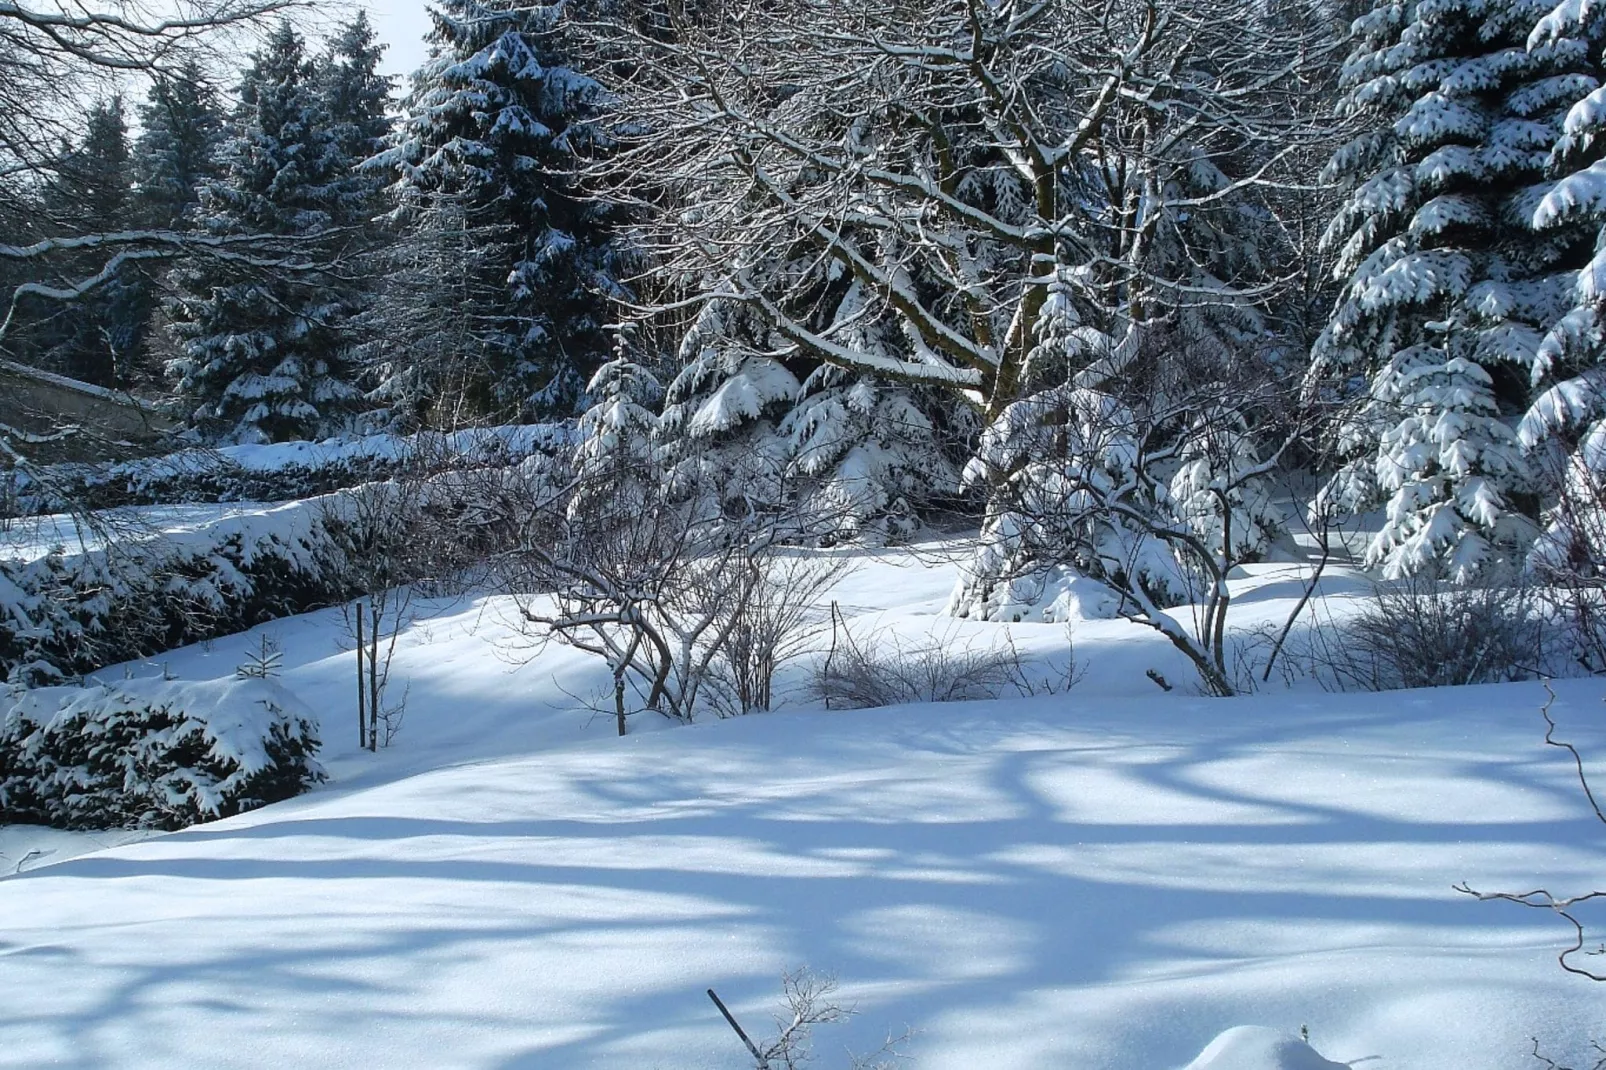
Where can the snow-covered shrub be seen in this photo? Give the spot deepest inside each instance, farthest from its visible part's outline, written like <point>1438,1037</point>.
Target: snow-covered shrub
<point>1424,632</point>
<point>152,754</point>
<point>64,614</point>
<point>883,669</point>
<point>280,472</point>
<point>1145,462</point>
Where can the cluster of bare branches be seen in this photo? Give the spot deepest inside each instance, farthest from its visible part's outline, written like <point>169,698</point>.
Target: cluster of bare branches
<point>1032,208</point>
<point>1569,560</point>
<point>690,611</point>
<point>810,1002</point>
<point>1565,907</point>
<point>428,528</point>
<point>881,669</point>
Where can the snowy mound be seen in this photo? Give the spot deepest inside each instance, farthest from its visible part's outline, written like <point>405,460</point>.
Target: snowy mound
<point>1254,1047</point>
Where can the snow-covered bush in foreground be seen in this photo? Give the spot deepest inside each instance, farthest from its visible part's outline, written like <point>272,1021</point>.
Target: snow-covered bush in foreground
<point>153,754</point>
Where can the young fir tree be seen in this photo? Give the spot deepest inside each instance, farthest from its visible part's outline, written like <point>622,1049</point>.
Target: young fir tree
<point>95,337</point>
<point>865,454</point>
<point>260,349</point>
<point>1449,289</point>
<point>616,461</point>
<point>1048,460</point>
<point>850,454</point>
<point>181,129</point>
<point>717,431</point>
<point>495,236</point>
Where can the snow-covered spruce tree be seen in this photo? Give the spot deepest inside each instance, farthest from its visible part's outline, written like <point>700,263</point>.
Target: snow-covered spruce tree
<point>483,163</point>
<point>260,348</point>
<point>844,452</point>
<point>1449,288</point>
<point>616,461</point>
<point>717,434</point>
<point>1135,445</point>
<point>181,128</point>
<point>1564,429</point>
<point>866,454</point>
<point>355,98</point>
<point>1155,482</point>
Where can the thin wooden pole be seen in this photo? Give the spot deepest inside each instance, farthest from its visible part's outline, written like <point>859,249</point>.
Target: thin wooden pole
<point>373,678</point>
<point>763,1063</point>
<point>362,687</point>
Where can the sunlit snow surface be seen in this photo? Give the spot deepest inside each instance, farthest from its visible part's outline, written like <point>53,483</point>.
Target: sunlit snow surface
<point>29,538</point>
<point>1109,879</point>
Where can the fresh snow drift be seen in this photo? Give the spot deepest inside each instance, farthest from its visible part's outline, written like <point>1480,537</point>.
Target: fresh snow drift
<point>1249,1047</point>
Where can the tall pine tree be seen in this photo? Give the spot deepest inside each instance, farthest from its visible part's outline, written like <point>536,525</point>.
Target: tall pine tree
<point>1449,290</point>
<point>513,266</point>
<point>261,348</point>
<point>95,337</point>
<point>181,128</point>
<point>355,98</point>
<point>1564,429</point>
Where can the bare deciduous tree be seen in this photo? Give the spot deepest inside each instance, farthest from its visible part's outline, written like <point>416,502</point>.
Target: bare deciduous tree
<point>1070,217</point>
<point>946,158</point>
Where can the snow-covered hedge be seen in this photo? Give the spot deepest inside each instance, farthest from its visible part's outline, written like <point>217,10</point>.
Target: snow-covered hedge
<point>279,472</point>
<point>64,615</point>
<point>152,754</point>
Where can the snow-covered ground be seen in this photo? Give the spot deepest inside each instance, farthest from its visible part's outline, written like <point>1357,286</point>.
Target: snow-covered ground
<point>1109,878</point>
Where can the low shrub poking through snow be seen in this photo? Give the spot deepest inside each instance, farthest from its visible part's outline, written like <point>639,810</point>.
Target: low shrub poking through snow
<point>152,754</point>
<point>1424,632</point>
<point>881,669</point>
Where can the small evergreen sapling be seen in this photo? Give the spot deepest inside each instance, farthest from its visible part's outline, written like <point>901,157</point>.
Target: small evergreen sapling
<point>263,663</point>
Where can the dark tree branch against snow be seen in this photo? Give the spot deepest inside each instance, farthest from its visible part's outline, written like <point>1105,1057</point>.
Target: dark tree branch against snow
<point>1539,898</point>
